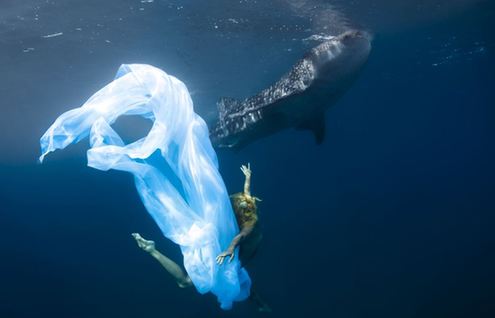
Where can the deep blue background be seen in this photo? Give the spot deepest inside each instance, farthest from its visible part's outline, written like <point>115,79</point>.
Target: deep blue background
<point>391,217</point>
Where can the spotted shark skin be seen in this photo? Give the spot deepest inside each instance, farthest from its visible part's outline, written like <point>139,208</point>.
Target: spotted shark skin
<point>299,99</point>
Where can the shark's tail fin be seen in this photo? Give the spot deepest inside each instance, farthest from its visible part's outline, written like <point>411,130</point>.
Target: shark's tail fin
<point>226,105</point>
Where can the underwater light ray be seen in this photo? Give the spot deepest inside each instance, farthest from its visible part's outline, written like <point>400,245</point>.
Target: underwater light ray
<point>198,217</point>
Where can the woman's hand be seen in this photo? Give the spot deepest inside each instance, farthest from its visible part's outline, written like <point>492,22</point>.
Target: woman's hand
<point>220,258</point>
<point>246,170</point>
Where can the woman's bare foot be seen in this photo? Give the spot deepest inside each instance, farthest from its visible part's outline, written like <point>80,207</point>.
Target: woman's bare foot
<point>146,245</point>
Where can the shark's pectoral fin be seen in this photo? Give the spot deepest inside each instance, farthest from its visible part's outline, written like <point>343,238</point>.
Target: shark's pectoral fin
<point>316,125</point>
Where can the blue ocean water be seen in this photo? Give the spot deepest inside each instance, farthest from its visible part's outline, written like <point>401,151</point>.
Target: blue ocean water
<point>391,216</point>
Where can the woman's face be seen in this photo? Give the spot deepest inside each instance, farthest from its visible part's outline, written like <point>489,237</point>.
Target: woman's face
<point>246,202</point>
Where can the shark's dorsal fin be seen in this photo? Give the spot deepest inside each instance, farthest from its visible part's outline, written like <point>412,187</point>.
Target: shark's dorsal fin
<point>225,104</point>
<point>317,125</point>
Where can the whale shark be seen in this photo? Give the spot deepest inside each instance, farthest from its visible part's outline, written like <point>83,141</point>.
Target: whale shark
<point>299,98</point>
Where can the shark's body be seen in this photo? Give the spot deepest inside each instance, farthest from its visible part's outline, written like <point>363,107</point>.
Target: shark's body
<point>299,99</point>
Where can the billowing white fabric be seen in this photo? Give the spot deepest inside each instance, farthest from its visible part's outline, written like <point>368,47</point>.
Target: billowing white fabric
<point>175,169</point>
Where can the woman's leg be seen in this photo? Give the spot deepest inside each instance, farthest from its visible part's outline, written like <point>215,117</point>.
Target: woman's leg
<point>177,273</point>
<point>258,301</point>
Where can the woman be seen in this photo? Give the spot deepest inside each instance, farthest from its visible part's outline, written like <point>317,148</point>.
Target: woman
<point>248,239</point>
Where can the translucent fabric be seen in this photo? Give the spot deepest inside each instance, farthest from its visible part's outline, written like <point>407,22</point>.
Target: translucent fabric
<point>175,169</point>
